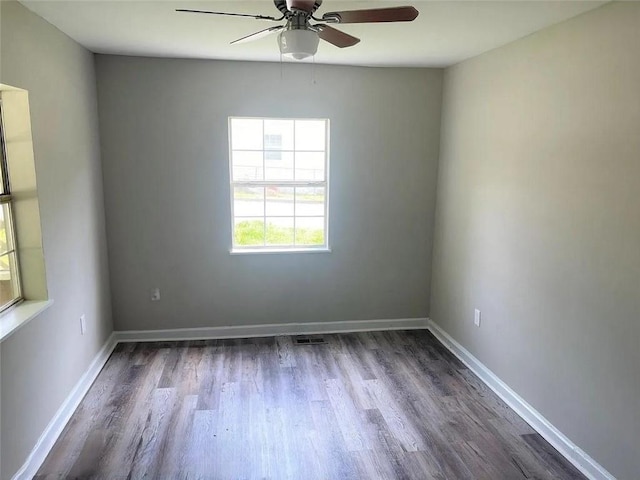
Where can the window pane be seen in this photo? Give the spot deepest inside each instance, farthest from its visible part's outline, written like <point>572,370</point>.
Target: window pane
<point>310,201</point>
<point>278,165</point>
<point>248,232</point>
<point>280,202</point>
<point>247,166</point>
<point>309,166</point>
<point>278,134</point>
<point>246,134</point>
<point>248,202</point>
<point>267,156</point>
<point>280,231</point>
<point>310,231</point>
<point>310,135</point>
<point>9,289</point>
<point>6,233</point>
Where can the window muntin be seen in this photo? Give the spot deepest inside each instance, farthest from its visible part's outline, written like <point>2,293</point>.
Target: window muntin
<point>279,183</point>
<point>10,288</point>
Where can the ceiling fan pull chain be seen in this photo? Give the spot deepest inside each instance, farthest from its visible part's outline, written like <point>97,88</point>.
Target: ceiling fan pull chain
<point>313,70</point>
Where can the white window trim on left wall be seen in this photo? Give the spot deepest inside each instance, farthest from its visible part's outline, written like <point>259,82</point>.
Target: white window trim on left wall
<point>20,168</point>
<point>9,248</point>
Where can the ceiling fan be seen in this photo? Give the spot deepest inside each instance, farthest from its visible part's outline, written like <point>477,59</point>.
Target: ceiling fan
<point>299,39</point>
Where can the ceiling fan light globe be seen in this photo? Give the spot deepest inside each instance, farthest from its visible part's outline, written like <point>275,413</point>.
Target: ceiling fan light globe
<point>298,44</point>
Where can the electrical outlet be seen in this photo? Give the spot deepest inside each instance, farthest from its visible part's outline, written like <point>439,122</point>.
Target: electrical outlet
<point>477,317</point>
<point>83,324</point>
<point>155,295</point>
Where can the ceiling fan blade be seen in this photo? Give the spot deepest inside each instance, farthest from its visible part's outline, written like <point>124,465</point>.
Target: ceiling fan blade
<point>258,35</point>
<point>258,17</point>
<point>336,37</point>
<point>304,5</point>
<point>375,15</point>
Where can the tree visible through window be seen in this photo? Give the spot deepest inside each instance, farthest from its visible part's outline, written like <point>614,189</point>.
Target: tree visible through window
<point>10,291</point>
<point>279,187</point>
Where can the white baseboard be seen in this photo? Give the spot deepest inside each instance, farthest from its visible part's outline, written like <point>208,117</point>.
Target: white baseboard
<point>580,459</point>
<point>248,331</point>
<point>63,415</point>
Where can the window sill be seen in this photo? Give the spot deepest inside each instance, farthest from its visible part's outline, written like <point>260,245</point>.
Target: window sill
<point>252,251</point>
<point>19,315</point>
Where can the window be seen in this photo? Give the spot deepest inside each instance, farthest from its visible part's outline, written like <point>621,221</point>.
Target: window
<point>10,291</point>
<point>279,183</point>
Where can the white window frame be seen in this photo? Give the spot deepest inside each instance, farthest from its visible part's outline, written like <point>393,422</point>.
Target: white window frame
<point>240,249</point>
<point>7,199</point>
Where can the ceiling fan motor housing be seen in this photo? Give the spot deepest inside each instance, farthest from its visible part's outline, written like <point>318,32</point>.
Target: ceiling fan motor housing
<point>289,6</point>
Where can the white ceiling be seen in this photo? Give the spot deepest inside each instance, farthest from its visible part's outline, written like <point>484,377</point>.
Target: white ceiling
<point>445,32</point>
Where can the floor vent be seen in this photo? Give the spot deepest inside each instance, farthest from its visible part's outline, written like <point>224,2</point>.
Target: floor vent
<point>310,341</point>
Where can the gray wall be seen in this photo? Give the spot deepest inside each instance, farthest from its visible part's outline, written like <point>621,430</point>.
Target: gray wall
<point>164,140</point>
<point>42,362</point>
<point>537,224</point>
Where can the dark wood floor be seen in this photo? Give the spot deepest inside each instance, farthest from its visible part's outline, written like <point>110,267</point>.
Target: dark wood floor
<point>386,405</point>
